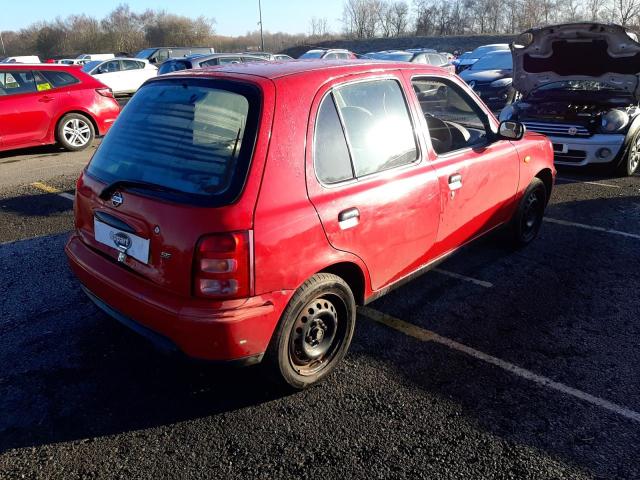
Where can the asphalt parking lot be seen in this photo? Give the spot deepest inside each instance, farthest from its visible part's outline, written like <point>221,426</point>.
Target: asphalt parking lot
<point>500,364</point>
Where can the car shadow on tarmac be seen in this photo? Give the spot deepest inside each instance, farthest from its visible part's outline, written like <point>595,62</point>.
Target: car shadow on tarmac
<point>41,151</point>
<point>37,205</point>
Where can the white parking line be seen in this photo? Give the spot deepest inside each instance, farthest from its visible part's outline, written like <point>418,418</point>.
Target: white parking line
<point>591,227</point>
<point>574,180</point>
<point>482,283</point>
<point>429,336</point>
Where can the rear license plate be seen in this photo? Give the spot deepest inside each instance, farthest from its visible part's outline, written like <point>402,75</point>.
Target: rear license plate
<point>124,242</point>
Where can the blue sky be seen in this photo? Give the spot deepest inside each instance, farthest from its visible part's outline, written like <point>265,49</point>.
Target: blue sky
<point>233,17</point>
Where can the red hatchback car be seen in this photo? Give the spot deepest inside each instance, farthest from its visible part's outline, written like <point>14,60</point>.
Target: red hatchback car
<point>243,212</point>
<point>45,104</point>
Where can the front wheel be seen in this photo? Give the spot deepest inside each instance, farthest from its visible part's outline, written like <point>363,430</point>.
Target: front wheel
<point>314,332</point>
<point>75,132</point>
<point>527,220</point>
<point>629,164</point>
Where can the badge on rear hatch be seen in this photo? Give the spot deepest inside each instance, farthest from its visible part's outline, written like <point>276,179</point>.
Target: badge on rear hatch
<point>116,199</point>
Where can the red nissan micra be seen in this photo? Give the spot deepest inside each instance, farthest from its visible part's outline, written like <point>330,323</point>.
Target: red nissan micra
<point>45,104</point>
<point>242,212</point>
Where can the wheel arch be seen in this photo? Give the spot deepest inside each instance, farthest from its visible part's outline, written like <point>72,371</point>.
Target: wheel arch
<point>353,275</point>
<point>84,113</point>
<point>547,178</point>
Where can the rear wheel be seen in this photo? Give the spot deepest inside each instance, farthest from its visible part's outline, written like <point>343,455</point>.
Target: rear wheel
<point>75,132</point>
<point>314,332</point>
<point>631,161</point>
<point>527,220</point>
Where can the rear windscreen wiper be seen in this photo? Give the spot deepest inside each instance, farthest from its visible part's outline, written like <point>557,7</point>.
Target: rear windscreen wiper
<point>113,186</point>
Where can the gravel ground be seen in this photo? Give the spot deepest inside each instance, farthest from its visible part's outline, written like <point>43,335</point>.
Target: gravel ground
<point>83,397</point>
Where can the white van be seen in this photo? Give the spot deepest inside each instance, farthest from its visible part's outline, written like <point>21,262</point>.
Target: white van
<point>21,59</point>
<point>89,57</point>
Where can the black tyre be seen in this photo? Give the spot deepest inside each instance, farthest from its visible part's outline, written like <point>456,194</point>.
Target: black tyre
<point>631,161</point>
<point>314,332</point>
<point>75,132</point>
<point>527,220</point>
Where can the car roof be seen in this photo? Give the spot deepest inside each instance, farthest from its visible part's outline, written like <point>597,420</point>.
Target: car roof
<point>274,70</point>
<point>48,66</point>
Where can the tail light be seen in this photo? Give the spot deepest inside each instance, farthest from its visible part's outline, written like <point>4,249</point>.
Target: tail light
<point>222,266</point>
<point>105,92</point>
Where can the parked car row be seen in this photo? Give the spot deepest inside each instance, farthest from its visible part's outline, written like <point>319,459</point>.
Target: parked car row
<point>590,110</point>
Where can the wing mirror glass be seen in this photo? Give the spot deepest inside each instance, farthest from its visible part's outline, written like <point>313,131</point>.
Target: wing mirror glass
<point>511,130</point>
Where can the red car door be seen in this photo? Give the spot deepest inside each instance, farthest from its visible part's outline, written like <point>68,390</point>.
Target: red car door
<point>478,175</point>
<point>26,108</point>
<point>375,193</point>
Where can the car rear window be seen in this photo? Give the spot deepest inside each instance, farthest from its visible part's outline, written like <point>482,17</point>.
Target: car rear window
<point>195,136</point>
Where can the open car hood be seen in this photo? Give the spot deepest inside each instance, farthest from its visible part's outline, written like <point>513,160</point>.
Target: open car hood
<point>576,51</point>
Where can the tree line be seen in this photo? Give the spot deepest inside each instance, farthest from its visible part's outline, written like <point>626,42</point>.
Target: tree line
<point>386,18</point>
<point>124,30</point>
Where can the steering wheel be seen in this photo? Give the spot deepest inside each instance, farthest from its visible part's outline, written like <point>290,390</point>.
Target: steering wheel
<point>441,137</point>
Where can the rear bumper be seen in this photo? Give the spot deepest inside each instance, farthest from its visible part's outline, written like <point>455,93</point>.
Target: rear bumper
<point>235,330</point>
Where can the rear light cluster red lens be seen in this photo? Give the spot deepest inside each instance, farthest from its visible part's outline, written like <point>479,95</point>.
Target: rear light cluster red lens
<point>221,268</point>
<point>105,92</point>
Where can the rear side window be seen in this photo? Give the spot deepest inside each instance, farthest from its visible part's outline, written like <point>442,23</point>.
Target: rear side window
<point>59,79</point>
<point>332,161</point>
<point>16,82</point>
<point>227,60</point>
<point>132,65</point>
<point>377,124</point>
<point>193,136</point>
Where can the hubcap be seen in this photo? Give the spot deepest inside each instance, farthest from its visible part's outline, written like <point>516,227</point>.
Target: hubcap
<point>315,335</point>
<point>76,132</point>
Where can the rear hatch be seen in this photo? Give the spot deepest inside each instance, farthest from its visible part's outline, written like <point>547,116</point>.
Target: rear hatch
<point>172,169</point>
<point>578,51</point>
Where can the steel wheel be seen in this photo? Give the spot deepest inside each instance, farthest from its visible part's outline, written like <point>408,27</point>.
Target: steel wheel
<point>76,132</point>
<point>532,213</point>
<point>314,331</point>
<point>316,334</point>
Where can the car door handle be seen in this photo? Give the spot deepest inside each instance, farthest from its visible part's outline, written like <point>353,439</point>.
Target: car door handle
<point>455,181</point>
<point>46,99</point>
<point>348,218</point>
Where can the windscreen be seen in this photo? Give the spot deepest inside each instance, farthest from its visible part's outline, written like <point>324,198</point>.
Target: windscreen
<point>87,67</point>
<point>397,56</point>
<point>482,51</point>
<point>313,54</point>
<point>146,53</point>
<point>191,136</point>
<point>494,61</point>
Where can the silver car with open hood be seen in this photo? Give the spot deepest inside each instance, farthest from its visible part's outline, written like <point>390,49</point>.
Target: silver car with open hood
<point>579,84</point>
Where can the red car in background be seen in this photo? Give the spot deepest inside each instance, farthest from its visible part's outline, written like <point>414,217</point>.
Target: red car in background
<point>46,104</point>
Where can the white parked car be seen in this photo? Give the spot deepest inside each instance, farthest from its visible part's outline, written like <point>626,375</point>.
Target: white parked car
<point>122,75</point>
<point>22,59</point>
<point>89,57</point>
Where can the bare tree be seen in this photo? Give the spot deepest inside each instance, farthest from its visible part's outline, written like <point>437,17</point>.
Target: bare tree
<point>625,12</point>
<point>361,18</point>
<point>398,14</point>
<point>319,27</point>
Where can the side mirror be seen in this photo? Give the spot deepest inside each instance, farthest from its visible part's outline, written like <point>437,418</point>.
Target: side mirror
<point>510,130</point>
